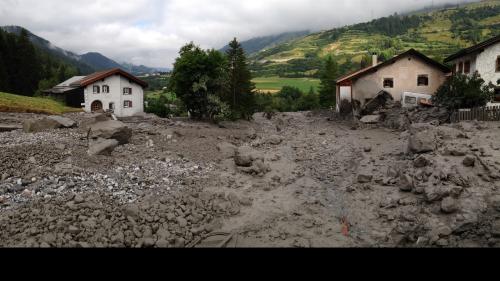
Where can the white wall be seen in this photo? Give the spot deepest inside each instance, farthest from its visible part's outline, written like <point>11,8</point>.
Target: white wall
<point>486,64</point>
<point>116,84</point>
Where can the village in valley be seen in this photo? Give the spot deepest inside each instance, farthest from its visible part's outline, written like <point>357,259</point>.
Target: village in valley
<point>379,133</point>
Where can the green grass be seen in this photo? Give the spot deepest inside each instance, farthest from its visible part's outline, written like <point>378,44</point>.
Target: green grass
<point>274,84</point>
<point>22,104</point>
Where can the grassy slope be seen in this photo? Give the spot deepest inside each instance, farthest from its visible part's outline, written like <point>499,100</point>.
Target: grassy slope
<point>434,38</point>
<point>274,84</point>
<point>15,103</point>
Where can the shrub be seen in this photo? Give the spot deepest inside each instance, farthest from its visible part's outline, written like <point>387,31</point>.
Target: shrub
<point>462,91</point>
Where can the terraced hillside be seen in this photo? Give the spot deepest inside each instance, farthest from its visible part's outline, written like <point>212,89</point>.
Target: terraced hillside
<point>437,33</point>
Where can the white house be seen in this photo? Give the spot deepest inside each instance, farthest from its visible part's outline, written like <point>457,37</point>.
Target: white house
<point>112,90</point>
<point>483,58</point>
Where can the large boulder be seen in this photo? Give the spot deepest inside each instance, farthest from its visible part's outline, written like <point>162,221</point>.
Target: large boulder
<point>102,146</point>
<point>40,125</point>
<point>111,130</point>
<point>245,156</point>
<point>371,119</point>
<point>422,139</point>
<point>226,150</point>
<point>63,121</point>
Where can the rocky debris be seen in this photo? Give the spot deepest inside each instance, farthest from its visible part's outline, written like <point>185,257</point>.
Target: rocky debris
<point>364,178</point>
<point>469,161</point>
<point>422,139</point>
<point>111,130</point>
<point>378,102</point>
<point>245,156</point>
<point>406,183</point>
<point>495,202</point>
<point>421,162</point>
<point>371,119</point>
<point>495,229</point>
<point>102,146</point>
<point>40,125</point>
<point>226,150</point>
<point>64,122</point>
<point>274,140</point>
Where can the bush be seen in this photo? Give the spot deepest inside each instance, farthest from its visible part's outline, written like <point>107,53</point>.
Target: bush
<point>159,106</point>
<point>218,110</point>
<point>462,91</point>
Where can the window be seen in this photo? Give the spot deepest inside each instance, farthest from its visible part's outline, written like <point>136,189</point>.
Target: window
<point>127,104</point>
<point>423,80</point>
<point>388,83</point>
<point>96,89</point>
<point>410,100</point>
<point>127,91</point>
<point>497,94</point>
<point>112,106</point>
<point>461,67</point>
<point>467,67</point>
<point>105,89</point>
<point>498,64</point>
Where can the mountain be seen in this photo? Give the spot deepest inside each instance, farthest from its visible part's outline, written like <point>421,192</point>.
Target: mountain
<point>436,33</point>
<point>255,45</point>
<point>86,63</point>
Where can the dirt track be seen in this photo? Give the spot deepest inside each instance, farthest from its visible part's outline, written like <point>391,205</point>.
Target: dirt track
<point>317,184</point>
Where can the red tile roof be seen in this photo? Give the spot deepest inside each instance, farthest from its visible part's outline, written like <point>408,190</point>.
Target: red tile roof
<point>107,73</point>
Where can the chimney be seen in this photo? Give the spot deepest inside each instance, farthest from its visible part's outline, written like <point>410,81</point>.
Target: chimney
<point>374,59</point>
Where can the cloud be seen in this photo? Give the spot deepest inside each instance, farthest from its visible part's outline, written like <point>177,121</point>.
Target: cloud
<point>151,32</point>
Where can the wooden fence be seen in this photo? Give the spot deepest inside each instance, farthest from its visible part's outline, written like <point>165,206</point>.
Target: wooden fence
<point>490,113</point>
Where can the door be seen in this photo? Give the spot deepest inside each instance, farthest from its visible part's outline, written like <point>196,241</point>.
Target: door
<point>96,106</point>
<point>345,93</point>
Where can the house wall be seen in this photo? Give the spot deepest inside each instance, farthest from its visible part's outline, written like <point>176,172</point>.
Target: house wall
<point>405,72</point>
<point>116,84</point>
<point>471,58</point>
<point>486,64</point>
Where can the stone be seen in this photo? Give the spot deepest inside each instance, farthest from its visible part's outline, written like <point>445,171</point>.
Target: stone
<point>421,162</point>
<point>78,199</point>
<point>371,119</point>
<point>40,125</point>
<point>63,121</point>
<point>111,130</point>
<point>8,128</point>
<point>469,161</point>
<point>274,140</point>
<point>449,205</point>
<point>131,210</point>
<point>73,229</point>
<point>226,150</point>
<point>364,178</point>
<point>422,138</point>
<point>102,146</point>
<point>367,149</point>
<point>406,183</point>
<point>182,221</point>
<point>245,156</point>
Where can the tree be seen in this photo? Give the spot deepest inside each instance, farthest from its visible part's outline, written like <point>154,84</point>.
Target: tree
<point>197,74</point>
<point>240,96</point>
<point>328,84</point>
<point>463,91</point>
<point>27,72</point>
<point>309,101</point>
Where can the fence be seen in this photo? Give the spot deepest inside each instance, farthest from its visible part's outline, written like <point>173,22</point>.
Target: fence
<point>489,113</point>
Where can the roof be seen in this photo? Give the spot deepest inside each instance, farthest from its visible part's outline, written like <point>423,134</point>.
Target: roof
<point>476,48</point>
<point>371,69</point>
<point>70,81</point>
<point>104,74</point>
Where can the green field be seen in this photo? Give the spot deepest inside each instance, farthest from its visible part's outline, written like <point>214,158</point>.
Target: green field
<point>274,84</point>
<point>16,103</point>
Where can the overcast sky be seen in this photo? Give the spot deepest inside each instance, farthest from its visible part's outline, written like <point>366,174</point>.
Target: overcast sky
<point>151,32</point>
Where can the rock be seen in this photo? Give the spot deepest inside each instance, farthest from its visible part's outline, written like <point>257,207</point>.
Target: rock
<point>371,119</point>
<point>367,149</point>
<point>422,139</point>
<point>449,205</point>
<point>8,128</point>
<point>2,200</point>
<point>469,161</point>
<point>40,125</point>
<point>274,140</point>
<point>182,221</point>
<point>63,121</point>
<point>364,178</point>
<point>245,156</point>
<point>78,199</point>
<point>111,130</point>
<point>421,162</point>
<point>406,183</point>
<point>148,242</point>
<point>495,202</point>
<point>226,150</point>
<point>73,229</point>
<point>102,146</point>
<point>131,210</point>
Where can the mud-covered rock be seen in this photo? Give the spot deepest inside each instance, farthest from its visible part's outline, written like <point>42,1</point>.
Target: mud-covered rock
<point>422,139</point>
<point>226,150</point>
<point>102,146</point>
<point>111,130</point>
<point>449,205</point>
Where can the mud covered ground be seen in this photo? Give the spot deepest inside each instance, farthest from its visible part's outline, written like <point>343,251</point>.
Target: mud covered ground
<point>296,180</point>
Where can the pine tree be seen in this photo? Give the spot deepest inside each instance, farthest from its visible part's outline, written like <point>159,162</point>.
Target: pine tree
<point>4,78</point>
<point>240,94</point>
<point>328,84</point>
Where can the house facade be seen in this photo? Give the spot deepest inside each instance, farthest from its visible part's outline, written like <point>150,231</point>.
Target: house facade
<point>408,72</point>
<point>483,58</point>
<point>113,90</point>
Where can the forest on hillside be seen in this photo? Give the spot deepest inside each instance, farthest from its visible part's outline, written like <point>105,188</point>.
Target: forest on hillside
<point>26,70</point>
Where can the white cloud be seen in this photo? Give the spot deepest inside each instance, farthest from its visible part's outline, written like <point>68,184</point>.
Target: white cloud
<point>151,32</point>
